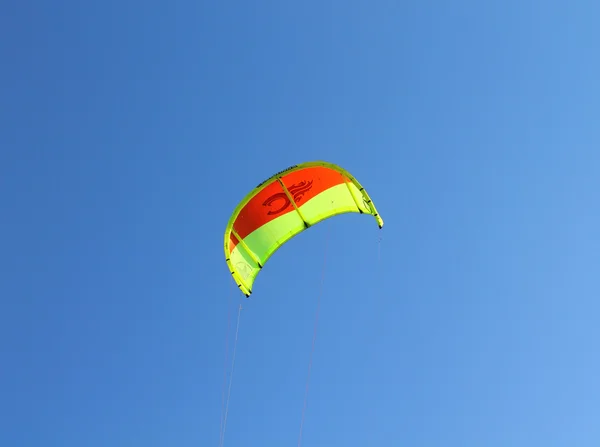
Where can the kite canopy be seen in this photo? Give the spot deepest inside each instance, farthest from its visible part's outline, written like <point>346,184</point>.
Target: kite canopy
<point>284,205</point>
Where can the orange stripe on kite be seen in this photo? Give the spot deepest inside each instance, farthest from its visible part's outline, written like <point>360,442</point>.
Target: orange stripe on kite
<point>272,202</point>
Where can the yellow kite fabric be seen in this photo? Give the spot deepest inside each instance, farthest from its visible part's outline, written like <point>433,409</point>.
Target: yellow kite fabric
<point>284,205</point>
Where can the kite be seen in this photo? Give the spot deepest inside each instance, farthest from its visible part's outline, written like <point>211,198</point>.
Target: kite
<point>283,206</point>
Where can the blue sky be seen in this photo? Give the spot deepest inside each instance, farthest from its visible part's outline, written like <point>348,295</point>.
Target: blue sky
<point>129,132</point>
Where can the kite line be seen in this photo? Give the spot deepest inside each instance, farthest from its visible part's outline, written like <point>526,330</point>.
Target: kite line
<point>314,335</point>
<point>225,362</point>
<point>224,425</point>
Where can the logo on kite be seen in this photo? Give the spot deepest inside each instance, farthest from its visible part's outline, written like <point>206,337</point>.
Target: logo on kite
<point>366,203</point>
<point>297,191</point>
<point>244,269</point>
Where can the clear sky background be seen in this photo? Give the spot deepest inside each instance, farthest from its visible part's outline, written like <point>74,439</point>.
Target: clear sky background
<point>130,130</point>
